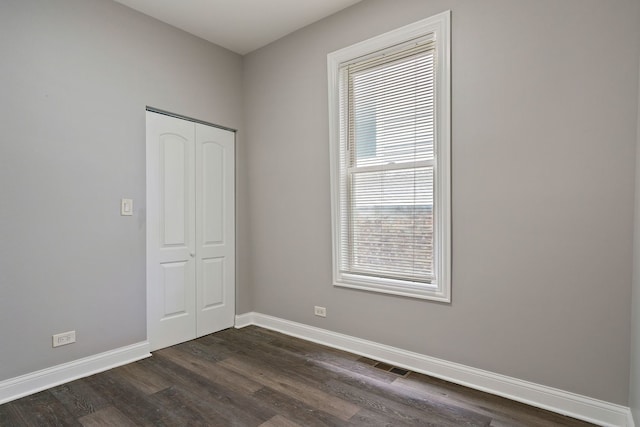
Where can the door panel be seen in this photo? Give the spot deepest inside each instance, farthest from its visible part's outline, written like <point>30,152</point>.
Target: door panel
<point>215,241</point>
<point>174,190</point>
<point>175,278</point>
<point>212,279</point>
<point>213,156</point>
<point>171,265</point>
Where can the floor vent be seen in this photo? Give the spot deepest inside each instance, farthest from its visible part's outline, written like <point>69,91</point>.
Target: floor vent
<point>385,367</point>
<point>399,371</point>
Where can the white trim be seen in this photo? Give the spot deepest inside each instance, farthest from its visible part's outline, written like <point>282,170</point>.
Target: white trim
<point>24,385</point>
<point>439,26</point>
<point>244,320</point>
<point>549,398</point>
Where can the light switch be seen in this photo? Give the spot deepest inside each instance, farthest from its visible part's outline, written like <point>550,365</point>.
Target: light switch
<point>126,207</point>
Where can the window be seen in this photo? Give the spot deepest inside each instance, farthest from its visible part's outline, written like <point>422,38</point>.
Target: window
<point>389,106</point>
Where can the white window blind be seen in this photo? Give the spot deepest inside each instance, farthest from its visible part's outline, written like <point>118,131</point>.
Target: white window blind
<point>388,164</point>
<point>390,143</point>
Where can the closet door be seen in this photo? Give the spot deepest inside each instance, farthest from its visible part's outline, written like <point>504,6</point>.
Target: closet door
<point>190,230</point>
<point>215,231</point>
<point>171,230</point>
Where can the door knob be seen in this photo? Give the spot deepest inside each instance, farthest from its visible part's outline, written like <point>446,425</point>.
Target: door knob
<point>192,254</point>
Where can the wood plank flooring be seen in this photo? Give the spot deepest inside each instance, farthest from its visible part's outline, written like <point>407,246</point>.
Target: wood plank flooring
<point>257,377</point>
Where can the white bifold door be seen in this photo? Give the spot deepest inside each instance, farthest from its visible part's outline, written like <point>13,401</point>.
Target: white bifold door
<point>190,230</point>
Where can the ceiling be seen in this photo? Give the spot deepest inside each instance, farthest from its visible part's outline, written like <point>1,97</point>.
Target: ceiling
<point>239,25</point>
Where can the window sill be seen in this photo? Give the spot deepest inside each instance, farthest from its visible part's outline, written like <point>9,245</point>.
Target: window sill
<point>405,290</point>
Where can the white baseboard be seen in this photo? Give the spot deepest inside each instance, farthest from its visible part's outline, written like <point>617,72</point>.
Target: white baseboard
<point>552,399</point>
<point>24,385</point>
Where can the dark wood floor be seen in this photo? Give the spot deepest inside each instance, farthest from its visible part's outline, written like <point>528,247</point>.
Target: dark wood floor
<point>256,377</point>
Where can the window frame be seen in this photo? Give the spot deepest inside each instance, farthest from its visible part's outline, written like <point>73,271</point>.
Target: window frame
<point>440,26</point>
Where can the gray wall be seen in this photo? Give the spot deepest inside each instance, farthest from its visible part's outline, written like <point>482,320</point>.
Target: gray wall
<point>75,77</point>
<point>544,132</point>
<point>634,379</point>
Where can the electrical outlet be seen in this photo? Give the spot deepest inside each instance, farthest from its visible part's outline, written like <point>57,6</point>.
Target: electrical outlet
<point>320,311</point>
<point>64,338</point>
